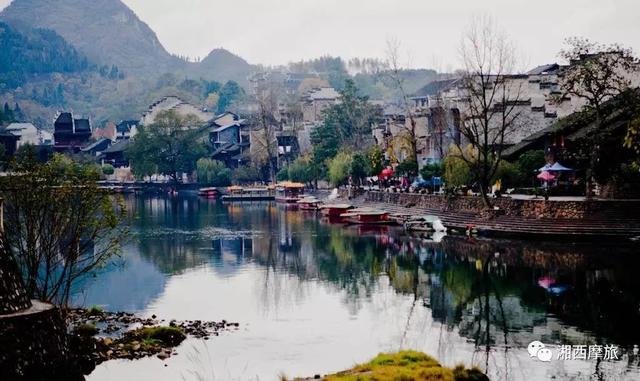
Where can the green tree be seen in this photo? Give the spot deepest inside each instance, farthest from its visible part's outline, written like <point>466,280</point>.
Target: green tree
<point>8,113</point>
<point>246,174</point>
<point>229,93</point>
<point>456,170</point>
<point>529,163</point>
<point>431,170</point>
<point>509,174</point>
<point>213,172</point>
<point>339,168</point>
<point>170,146</point>
<point>108,169</point>
<point>407,168</point>
<point>302,170</point>
<point>283,174</point>
<point>376,159</point>
<point>59,225</point>
<point>360,167</point>
<point>632,140</point>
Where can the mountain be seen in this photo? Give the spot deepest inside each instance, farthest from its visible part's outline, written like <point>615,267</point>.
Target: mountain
<point>222,65</point>
<point>106,31</point>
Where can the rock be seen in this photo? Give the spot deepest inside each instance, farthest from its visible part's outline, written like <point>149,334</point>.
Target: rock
<point>162,356</point>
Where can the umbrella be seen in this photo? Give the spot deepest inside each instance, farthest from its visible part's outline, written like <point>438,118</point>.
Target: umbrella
<point>546,176</point>
<point>388,172</point>
<point>555,167</point>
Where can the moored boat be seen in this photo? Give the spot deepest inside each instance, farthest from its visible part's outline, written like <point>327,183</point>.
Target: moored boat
<point>211,192</point>
<point>335,210</point>
<point>237,193</point>
<point>289,193</point>
<point>367,216</point>
<point>309,203</point>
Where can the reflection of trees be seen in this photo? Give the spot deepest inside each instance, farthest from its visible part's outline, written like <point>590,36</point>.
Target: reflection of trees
<point>486,289</point>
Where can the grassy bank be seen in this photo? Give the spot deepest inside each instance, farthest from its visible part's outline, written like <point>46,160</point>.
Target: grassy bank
<point>406,366</point>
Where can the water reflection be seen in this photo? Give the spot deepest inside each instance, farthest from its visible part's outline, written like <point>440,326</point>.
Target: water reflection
<point>472,301</point>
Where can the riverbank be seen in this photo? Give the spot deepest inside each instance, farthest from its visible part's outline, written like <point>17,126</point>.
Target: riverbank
<point>517,217</point>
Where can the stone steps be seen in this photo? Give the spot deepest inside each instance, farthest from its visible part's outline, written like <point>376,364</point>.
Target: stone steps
<point>591,226</point>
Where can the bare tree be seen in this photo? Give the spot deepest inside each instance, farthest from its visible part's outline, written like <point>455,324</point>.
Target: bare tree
<point>394,72</point>
<point>596,73</point>
<point>490,99</point>
<point>265,144</point>
<point>60,226</point>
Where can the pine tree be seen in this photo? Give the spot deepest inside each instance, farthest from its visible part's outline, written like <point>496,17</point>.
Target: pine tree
<point>18,114</point>
<point>8,113</point>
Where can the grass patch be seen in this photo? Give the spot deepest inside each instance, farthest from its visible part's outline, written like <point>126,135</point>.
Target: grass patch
<point>406,366</point>
<point>168,336</point>
<point>95,310</point>
<point>86,330</point>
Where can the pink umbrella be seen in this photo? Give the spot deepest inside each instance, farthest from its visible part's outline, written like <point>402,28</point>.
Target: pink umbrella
<point>546,176</point>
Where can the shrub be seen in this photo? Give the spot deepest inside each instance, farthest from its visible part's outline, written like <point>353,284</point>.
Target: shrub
<point>213,172</point>
<point>339,168</point>
<point>283,174</point>
<point>85,330</point>
<point>108,169</point>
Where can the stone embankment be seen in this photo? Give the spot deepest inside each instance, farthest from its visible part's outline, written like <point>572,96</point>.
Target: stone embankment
<point>518,217</point>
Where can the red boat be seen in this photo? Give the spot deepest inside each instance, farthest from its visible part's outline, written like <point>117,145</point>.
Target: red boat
<point>367,217</point>
<point>208,192</point>
<point>335,210</point>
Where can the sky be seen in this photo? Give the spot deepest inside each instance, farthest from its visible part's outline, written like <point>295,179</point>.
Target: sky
<point>273,32</point>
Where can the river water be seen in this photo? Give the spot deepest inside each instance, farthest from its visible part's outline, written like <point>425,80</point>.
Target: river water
<point>313,297</point>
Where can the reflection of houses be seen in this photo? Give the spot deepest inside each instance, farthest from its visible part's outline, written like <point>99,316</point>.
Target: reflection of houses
<point>229,138</point>
<point>70,134</point>
<point>234,250</point>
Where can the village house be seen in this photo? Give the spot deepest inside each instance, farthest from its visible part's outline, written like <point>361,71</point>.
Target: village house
<point>179,106</point>
<point>439,108</point>
<point>70,134</point>
<point>126,129</point>
<point>229,138</point>
<point>107,131</point>
<point>9,140</point>
<point>97,147</point>
<point>115,154</point>
<point>27,133</point>
<point>315,101</point>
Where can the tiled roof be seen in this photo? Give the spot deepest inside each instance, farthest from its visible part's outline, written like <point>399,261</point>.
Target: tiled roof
<point>542,69</point>
<point>82,125</point>
<point>117,147</point>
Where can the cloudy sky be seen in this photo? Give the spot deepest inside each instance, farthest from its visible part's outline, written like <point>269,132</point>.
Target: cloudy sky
<point>279,31</point>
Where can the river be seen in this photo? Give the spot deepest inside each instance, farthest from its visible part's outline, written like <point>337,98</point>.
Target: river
<point>313,297</point>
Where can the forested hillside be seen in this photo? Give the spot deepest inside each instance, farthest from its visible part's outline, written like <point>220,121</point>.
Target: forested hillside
<point>39,52</point>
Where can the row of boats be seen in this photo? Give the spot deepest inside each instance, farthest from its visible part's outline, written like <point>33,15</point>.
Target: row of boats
<point>370,216</point>
<point>293,194</point>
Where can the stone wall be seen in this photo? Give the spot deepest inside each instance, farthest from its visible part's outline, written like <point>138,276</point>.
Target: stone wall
<point>538,208</point>
<point>35,346</point>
